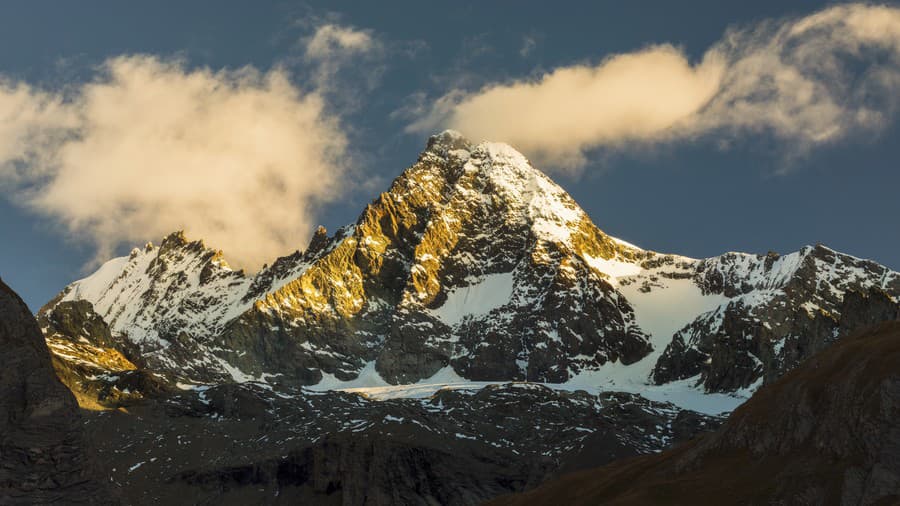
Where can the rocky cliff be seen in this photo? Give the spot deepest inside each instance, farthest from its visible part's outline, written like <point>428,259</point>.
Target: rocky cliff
<point>43,458</point>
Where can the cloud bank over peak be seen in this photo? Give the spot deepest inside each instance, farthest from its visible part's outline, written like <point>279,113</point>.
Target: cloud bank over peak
<point>240,158</point>
<point>806,81</point>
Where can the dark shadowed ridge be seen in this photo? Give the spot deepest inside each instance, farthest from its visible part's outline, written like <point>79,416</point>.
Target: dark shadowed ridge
<point>826,433</point>
<point>42,454</point>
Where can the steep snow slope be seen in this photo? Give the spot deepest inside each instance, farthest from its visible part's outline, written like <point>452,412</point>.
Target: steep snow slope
<point>477,299</point>
<point>190,284</point>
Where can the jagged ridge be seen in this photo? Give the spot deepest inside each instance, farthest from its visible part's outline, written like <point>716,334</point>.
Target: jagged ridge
<point>476,261</point>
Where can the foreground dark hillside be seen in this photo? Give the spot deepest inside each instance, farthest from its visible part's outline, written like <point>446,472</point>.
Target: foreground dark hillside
<point>826,433</point>
<point>245,444</point>
<point>43,459</point>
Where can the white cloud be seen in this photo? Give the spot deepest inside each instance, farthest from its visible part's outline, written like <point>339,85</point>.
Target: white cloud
<point>529,43</point>
<point>330,40</point>
<point>333,50</point>
<point>807,81</point>
<point>239,158</point>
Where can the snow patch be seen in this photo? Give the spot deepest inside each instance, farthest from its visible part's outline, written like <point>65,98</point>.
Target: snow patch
<point>664,310</point>
<point>493,291</point>
<point>684,394</point>
<point>368,378</point>
<point>612,267</point>
<point>94,286</point>
<point>661,313</point>
<point>371,384</point>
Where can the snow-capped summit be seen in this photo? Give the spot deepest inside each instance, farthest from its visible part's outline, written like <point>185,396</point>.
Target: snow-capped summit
<point>495,172</point>
<point>192,283</point>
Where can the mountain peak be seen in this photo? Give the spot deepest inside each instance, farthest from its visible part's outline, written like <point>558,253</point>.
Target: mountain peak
<point>454,175</point>
<point>178,241</point>
<point>474,260</point>
<point>175,239</point>
<point>448,140</point>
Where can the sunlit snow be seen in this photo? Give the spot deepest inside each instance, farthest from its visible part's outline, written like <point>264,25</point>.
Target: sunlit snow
<point>612,267</point>
<point>94,286</point>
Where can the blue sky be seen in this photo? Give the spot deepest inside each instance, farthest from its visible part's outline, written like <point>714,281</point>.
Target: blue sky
<point>723,189</point>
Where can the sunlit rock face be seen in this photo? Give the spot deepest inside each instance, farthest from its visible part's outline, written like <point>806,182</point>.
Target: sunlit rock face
<point>474,261</point>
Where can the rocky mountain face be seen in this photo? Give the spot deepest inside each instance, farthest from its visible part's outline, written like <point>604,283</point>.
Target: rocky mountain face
<point>473,261</point>
<point>779,312</point>
<point>825,433</point>
<point>43,454</point>
<point>470,245</point>
<point>472,334</point>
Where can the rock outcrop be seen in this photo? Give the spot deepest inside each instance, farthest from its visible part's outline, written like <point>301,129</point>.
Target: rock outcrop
<point>43,459</point>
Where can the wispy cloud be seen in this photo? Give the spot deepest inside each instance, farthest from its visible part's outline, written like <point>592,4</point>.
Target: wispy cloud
<point>342,62</point>
<point>806,81</point>
<point>332,47</point>
<point>332,40</point>
<point>529,43</point>
<point>241,158</point>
